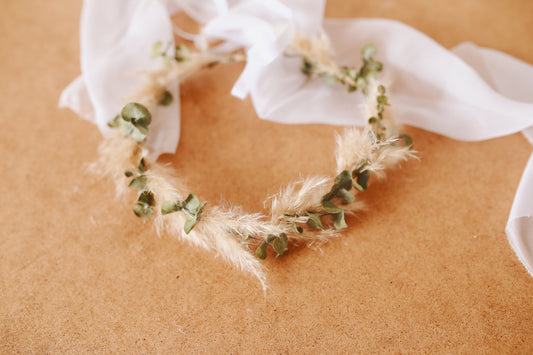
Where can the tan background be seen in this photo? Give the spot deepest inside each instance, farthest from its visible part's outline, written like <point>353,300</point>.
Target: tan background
<point>428,269</point>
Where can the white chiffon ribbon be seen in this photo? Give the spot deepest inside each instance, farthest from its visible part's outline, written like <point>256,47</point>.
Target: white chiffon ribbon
<point>115,39</point>
<point>467,93</point>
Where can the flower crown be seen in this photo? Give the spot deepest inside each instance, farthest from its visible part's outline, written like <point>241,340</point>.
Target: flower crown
<point>310,210</point>
<point>471,99</point>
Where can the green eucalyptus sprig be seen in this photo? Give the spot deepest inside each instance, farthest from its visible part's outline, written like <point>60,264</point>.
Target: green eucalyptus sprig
<point>192,207</point>
<point>352,78</point>
<point>146,199</point>
<point>183,54</point>
<point>357,178</point>
<point>134,121</point>
<point>277,242</point>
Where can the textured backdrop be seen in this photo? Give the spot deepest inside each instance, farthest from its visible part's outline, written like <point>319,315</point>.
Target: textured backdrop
<point>428,268</point>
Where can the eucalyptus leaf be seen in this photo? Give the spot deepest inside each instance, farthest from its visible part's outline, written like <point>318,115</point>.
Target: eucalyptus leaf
<point>261,251</point>
<point>189,224</point>
<point>280,244</point>
<point>358,187</point>
<point>115,122</point>
<point>192,204</point>
<point>346,196</point>
<point>338,220</point>
<point>137,114</point>
<point>166,99</point>
<point>306,67</point>
<point>330,207</point>
<point>407,140</point>
<point>362,178</point>
<point>182,53</point>
<point>193,209</point>
<point>271,237</point>
<point>170,207</point>
<point>352,73</point>
<point>344,180</point>
<point>147,197</point>
<point>139,182</point>
<point>143,210</point>
<point>314,221</point>
<point>361,83</point>
<point>142,165</point>
<point>139,133</point>
<point>382,100</point>
<point>297,229</point>
<point>126,128</point>
<point>129,173</point>
<point>368,51</point>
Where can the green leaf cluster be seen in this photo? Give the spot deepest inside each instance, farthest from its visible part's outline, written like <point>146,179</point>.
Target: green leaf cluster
<point>376,123</point>
<point>278,242</point>
<point>292,218</point>
<point>341,191</point>
<point>134,121</point>
<point>352,78</point>
<point>181,52</point>
<point>382,101</point>
<point>166,99</point>
<point>314,220</point>
<point>192,207</point>
<point>369,69</point>
<point>146,199</point>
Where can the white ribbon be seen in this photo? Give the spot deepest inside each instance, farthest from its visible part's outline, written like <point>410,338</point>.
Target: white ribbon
<point>115,38</point>
<point>468,93</point>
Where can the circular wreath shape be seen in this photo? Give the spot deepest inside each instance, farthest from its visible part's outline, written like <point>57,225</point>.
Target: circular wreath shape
<point>310,210</point>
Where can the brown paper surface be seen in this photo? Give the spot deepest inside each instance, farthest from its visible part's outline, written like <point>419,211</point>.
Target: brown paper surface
<point>426,269</point>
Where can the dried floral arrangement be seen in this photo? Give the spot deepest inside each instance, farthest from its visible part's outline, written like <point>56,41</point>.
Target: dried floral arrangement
<point>311,210</point>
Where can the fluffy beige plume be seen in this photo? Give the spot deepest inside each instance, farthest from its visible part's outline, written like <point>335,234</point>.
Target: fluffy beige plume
<point>166,187</point>
<point>357,146</point>
<point>353,147</point>
<point>242,224</point>
<point>316,48</point>
<point>212,233</point>
<point>299,197</point>
<point>387,158</point>
<point>291,204</point>
<point>216,228</point>
<point>231,250</point>
<point>115,155</point>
